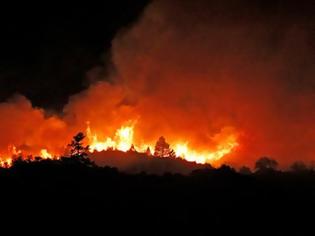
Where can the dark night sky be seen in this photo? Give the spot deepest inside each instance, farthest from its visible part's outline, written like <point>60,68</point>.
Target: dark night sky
<point>46,49</point>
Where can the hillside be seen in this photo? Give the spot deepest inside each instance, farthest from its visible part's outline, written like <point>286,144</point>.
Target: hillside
<point>134,162</point>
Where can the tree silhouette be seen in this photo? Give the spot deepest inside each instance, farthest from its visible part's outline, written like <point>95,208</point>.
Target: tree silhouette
<point>244,170</point>
<point>76,146</point>
<point>298,166</point>
<point>132,148</point>
<point>148,151</point>
<point>162,149</point>
<point>78,150</point>
<point>265,164</point>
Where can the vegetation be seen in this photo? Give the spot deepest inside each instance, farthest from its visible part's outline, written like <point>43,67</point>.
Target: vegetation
<point>207,201</point>
<point>266,164</point>
<point>78,152</point>
<point>162,149</point>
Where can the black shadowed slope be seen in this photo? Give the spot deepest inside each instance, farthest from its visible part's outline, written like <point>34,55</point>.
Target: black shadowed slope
<point>68,192</point>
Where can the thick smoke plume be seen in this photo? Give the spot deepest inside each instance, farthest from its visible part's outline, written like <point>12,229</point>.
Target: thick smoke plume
<point>197,72</point>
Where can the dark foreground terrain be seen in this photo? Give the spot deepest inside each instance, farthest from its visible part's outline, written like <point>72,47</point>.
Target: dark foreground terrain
<point>67,196</point>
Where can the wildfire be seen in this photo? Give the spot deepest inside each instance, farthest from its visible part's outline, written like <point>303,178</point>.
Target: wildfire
<point>6,162</point>
<point>182,150</point>
<point>123,140</point>
<point>45,154</point>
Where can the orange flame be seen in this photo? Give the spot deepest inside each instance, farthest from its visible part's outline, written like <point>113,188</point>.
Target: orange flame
<point>6,162</point>
<point>182,150</point>
<point>124,139</point>
<point>45,154</point>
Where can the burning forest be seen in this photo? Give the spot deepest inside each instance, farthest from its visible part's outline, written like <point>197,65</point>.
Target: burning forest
<point>158,117</point>
<point>123,141</point>
<point>219,88</point>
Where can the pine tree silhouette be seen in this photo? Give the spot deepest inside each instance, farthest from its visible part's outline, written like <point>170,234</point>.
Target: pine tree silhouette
<point>78,151</point>
<point>162,149</point>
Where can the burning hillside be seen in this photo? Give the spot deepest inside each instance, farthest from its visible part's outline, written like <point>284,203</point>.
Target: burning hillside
<point>123,141</point>
<point>219,87</point>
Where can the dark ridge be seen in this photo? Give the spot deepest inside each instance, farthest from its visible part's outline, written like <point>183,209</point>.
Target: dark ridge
<point>66,194</point>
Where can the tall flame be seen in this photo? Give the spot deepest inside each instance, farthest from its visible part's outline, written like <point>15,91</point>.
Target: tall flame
<point>45,154</point>
<point>123,140</point>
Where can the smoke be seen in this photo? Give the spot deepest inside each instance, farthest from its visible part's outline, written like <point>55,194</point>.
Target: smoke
<point>197,72</point>
<point>194,70</point>
<point>26,128</point>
